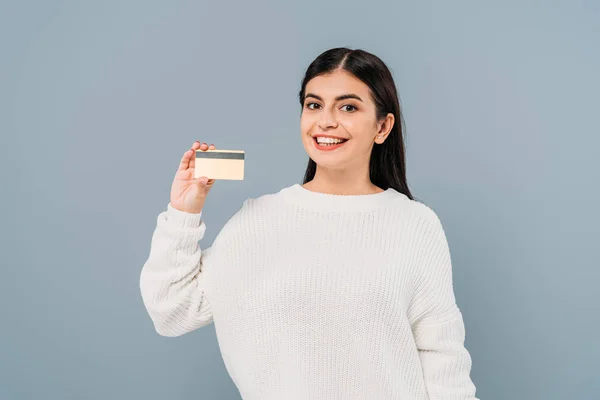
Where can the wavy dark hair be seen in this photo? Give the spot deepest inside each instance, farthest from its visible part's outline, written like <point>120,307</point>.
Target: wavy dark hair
<point>387,165</point>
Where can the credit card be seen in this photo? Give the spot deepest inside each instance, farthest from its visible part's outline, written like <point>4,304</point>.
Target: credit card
<point>220,164</point>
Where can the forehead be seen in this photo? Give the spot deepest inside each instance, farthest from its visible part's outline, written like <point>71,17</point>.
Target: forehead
<point>337,83</point>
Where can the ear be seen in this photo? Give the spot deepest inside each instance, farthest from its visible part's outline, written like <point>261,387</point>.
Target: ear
<point>384,128</point>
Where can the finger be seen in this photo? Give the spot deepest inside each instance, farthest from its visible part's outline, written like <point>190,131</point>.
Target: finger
<point>205,180</point>
<point>185,160</point>
<point>195,147</point>
<point>202,147</point>
<point>212,147</point>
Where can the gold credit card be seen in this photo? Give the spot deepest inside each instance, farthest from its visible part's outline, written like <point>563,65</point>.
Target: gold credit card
<point>219,164</point>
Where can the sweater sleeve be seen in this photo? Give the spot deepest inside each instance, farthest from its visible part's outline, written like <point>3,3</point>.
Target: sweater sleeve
<point>437,323</point>
<point>171,280</point>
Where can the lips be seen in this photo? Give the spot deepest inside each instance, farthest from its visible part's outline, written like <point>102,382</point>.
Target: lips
<point>326,146</point>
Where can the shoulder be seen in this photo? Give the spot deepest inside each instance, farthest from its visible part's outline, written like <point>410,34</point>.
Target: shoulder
<point>421,219</point>
<point>415,209</point>
<point>426,213</point>
<point>431,233</point>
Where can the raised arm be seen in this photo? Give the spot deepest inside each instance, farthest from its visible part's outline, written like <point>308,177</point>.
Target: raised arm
<point>171,281</point>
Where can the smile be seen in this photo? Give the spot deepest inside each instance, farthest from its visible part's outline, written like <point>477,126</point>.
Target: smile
<point>328,143</point>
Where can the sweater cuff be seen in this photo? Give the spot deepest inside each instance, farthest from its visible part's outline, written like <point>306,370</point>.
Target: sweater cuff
<point>183,219</point>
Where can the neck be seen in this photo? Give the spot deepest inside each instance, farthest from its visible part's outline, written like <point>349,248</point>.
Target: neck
<point>342,182</point>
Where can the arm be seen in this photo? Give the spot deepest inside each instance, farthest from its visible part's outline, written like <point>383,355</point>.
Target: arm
<point>437,322</point>
<point>171,281</point>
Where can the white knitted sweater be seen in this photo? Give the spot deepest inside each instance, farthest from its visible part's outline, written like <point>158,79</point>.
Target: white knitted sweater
<point>317,296</point>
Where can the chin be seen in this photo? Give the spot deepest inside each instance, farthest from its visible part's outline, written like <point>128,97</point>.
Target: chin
<point>325,159</point>
<point>329,162</point>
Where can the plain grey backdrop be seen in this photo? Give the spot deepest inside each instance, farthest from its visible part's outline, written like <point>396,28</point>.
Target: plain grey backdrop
<point>98,101</point>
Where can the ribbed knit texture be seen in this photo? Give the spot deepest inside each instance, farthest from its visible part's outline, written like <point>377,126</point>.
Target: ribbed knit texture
<point>317,296</point>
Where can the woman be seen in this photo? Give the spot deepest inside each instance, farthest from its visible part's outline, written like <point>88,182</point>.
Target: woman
<point>339,288</point>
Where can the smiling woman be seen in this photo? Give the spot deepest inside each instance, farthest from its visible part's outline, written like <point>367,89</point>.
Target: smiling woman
<point>339,288</point>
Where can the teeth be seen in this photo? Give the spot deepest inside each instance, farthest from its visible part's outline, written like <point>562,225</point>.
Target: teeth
<point>328,140</point>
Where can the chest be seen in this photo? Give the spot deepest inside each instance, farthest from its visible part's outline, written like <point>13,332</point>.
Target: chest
<point>311,270</point>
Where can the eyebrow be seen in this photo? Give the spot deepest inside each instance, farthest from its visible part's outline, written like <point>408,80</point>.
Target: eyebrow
<point>341,97</point>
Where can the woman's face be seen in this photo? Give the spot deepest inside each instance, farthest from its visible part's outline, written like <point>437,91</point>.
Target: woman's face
<point>340,105</point>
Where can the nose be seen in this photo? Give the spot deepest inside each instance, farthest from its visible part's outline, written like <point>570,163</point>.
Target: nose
<point>327,120</point>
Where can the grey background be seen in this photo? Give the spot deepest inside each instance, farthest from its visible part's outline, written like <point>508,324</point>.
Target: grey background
<point>98,100</point>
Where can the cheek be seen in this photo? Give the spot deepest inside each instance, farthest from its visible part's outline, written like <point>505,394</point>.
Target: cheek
<point>358,129</point>
<point>305,129</point>
<point>362,134</point>
<point>306,123</point>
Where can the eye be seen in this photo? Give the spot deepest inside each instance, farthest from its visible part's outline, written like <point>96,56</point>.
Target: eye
<point>352,107</point>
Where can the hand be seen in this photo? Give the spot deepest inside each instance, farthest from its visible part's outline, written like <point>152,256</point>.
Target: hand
<point>188,194</point>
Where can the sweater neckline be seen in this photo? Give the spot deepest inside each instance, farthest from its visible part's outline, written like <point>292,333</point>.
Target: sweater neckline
<point>319,201</point>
